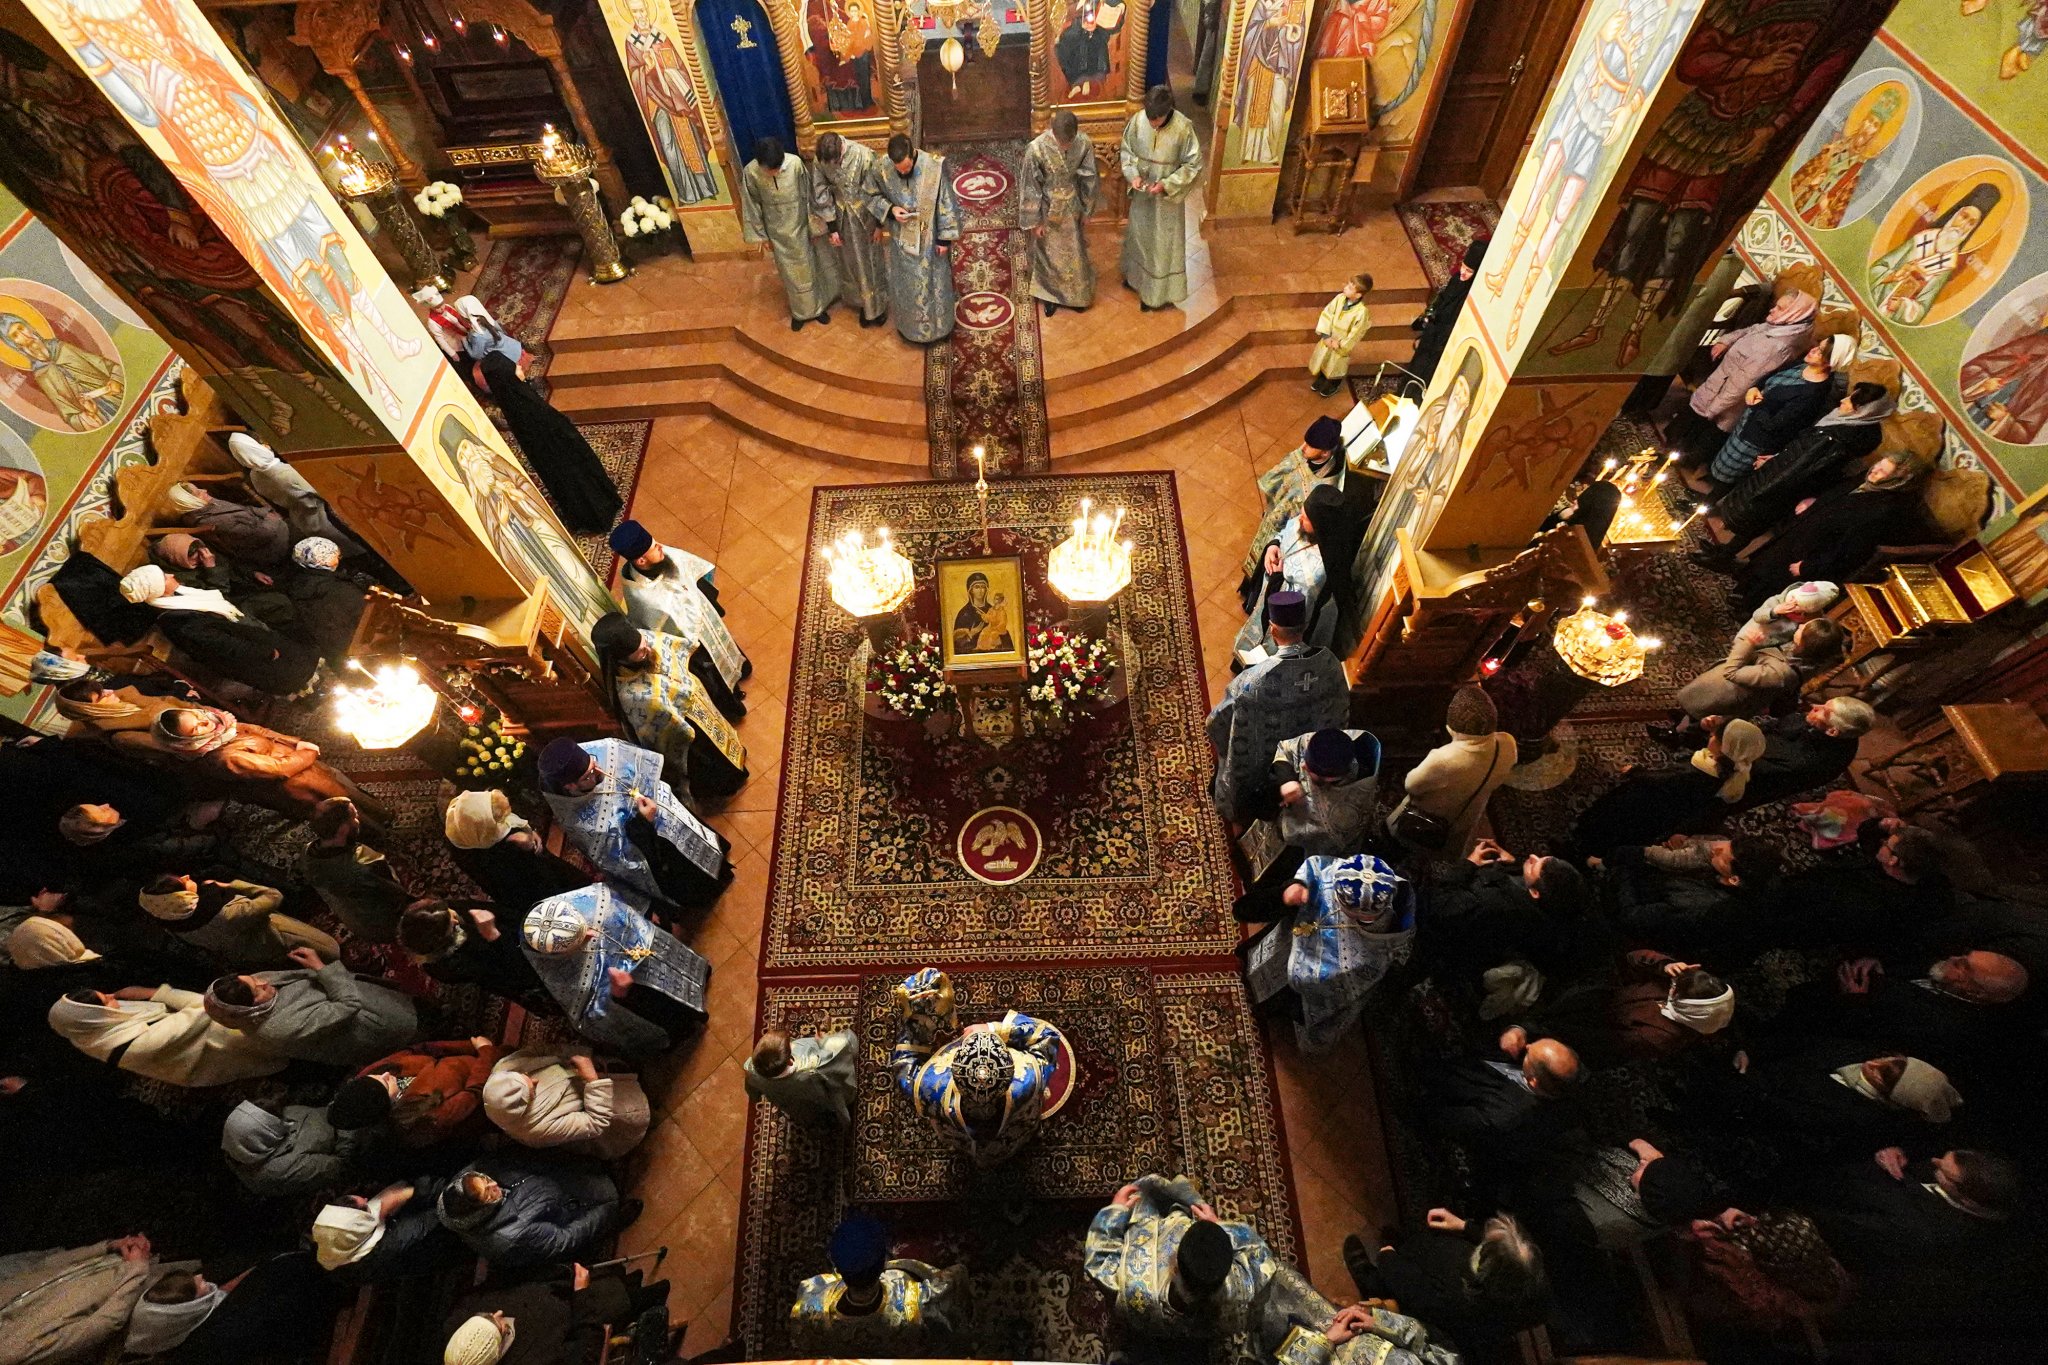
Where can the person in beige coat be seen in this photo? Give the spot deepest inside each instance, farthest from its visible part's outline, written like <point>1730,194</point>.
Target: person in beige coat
<point>236,921</point>
<point>164,1034</point>
<point>1455,781</point>
<point>1755,676</point>
<point>548,1099</point>
<point>61,1306</point>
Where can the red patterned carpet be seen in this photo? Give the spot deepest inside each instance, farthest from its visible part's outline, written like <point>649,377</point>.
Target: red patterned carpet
<point>985,384</point>
<point>1120,934</point>
<point>523,283</point>
<point>1440,232</point>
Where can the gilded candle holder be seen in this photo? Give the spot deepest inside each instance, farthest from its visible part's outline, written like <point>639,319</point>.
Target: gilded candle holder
<point>565,168</point>
<point>373,185</point>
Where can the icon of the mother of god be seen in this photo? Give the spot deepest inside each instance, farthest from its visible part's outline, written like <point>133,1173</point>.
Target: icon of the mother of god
<point>520,524</point>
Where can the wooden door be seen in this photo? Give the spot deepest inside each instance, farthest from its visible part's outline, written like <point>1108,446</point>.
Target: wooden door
<point>1503,72</point>
<point>989,99</point>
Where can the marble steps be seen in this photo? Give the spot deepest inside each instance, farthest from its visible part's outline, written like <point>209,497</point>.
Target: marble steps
<point>798,430</point>
<point>1164,411</point>
<point>780,362</point>
<point>873,407</point>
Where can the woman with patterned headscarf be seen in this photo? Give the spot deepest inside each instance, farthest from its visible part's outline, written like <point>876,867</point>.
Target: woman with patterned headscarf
<point>1764,1273</point>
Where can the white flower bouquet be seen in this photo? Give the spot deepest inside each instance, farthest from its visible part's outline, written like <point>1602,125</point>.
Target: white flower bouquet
<point>436,199</point>
<point>910,681</point>
<point>644,217</point>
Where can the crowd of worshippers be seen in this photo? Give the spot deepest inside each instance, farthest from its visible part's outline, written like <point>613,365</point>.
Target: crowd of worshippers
<point>240,1091</point>
<point>1794,1083</point>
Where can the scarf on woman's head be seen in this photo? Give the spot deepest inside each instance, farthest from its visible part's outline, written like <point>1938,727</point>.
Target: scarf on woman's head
<point>477,316</point>
<point>1907,470</point>
<point>150,586</point>
<point>98,1030</point>
<point>317,552</point>
<point>1921,1088</point>
<point>1701,1016</point>
<point>52,669</point>
<point>106,706</point>
<point>40,941</point>
<point>1841,352</point>
<point>252,1134</point>
<point>241,1018</point>
<point>1789,1250</point>
<point>1742,744</point>
<point>170,905</point>
<point>1870,414</point>
<point>1794,305</point>
<point>154,1328</point>
<point>480,819</point>
<point>251,453</point>
<point>343,1235</point>
<point>185,498</point>
<point>213,729</point>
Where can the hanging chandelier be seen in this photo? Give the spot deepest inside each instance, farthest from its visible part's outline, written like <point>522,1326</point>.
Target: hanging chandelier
<point>1092,564</point>
<point>1601,648</point>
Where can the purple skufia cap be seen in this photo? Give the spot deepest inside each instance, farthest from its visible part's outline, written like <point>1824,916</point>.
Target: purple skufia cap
<point>1287,608</point>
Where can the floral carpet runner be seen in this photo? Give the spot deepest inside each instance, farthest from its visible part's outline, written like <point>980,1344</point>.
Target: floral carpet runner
<point>985,384</point>
<point>523,283</point>
<point>1441,230</point>
<point>1119,932</point>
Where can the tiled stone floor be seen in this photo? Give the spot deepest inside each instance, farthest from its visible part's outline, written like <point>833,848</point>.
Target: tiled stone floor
<point>746,506</point>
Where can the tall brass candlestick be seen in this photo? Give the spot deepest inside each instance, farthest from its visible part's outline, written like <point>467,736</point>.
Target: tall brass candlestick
<point>565,167</point>
<point>981,493</point>
<point>373,185</point>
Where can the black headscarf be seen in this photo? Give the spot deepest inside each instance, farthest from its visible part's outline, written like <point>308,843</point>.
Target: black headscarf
<point>615,638</point>
<point>1338,531</point>
<point>1595,511</point>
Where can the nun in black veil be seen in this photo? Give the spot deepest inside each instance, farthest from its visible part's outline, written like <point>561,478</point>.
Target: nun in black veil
<point>583,494</point>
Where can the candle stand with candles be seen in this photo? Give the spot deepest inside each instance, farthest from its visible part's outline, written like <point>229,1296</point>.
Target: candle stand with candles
<point>565,167</point>
<point>373,184</point>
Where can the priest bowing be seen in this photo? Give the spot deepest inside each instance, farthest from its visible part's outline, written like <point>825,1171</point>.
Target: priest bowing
<point>623,982</point>
<point>671,590</point>
<point>911,195</point>
<point>1353,921</point>
<point>1292,688</point>
<point>611,802</point>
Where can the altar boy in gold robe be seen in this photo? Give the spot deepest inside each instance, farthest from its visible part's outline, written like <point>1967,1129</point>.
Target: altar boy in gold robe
<point>871,1306</point>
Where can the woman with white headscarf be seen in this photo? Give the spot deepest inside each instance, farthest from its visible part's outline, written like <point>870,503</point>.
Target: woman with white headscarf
<point>1658,1007</point>
<point>42,941</point>
<point>499,851</point>
<point>286,489</point>
<point>174,1306</point>
<point>391,1235</point>
<point>255,535</point>
<point>548,1099</point>
<point>212,631</point>
<point>163,1034</point>
<point>1648,806</point>
<point>1840,1095</point>
<point>485,335</point>
<point>71,1305</point>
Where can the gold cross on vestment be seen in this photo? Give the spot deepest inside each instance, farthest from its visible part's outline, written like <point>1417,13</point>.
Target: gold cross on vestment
<point>743,28</point>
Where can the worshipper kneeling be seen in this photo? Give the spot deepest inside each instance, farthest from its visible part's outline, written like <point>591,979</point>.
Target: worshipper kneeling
<point>1328,783</point>
<point>1295,689</point>
<point>569,1318</point>
<point>72,1305</point>
<point>164,1034</point>
<point>871,1305</point>
<point>517,1210</point>
<point>287,490</point>
<point>1477,1283</point>
<point>623,982</point>
<point>671,591</point>
<point>550,1099</point>
<point>292,1152</point>
<point>465,945</point>
<point>319,1013</point>
<point>809,1078</point>
<point>1173,1269</point>
<point>213,632</point>
<point>428,1094</point>
<point>1353,921</point>
<point>1294,1325</point>
<point>611,802</point>
<point>982,1091</point>
<point>663,707</point>
<point>499,851</point>
<point>238,922</point>
<point>1508,1115</point>
<point>1700,895</point>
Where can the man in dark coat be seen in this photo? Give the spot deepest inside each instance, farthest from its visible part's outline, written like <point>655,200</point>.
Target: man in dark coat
<point>522,1210</point>
<point>1806,750</point>
<point>1704,897</point>
<point>1966,1015</point>
<point>1510,1112</point>
<point>1493,908</point>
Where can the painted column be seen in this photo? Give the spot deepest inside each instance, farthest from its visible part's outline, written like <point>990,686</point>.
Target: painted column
<point>131,131</point>
<point>1264,45</point>
<point>1668,119</point>
<point>682,119</point>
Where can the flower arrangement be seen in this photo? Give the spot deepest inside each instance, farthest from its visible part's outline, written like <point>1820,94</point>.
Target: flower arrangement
<point>910,681</point>
<point>486,750</point>
<point>644,217</point>
<point>436,199</point>
<point>1068,671</point>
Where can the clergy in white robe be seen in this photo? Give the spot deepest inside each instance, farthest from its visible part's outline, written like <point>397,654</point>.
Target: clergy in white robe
<point>911,194</point>
<point>1293,563</point>
<point>776,203</point>
<point>1295,688</point>
<point>1161,158</point>
<point>840,182</point>
<point>611,802</point>
<point>1055,195</point>
<point>1173,1269</point>
<point>1341,325</point>
<point>670,590</point>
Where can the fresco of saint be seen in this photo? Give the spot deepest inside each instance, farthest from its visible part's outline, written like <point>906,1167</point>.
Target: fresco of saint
<point>1826,181</point>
